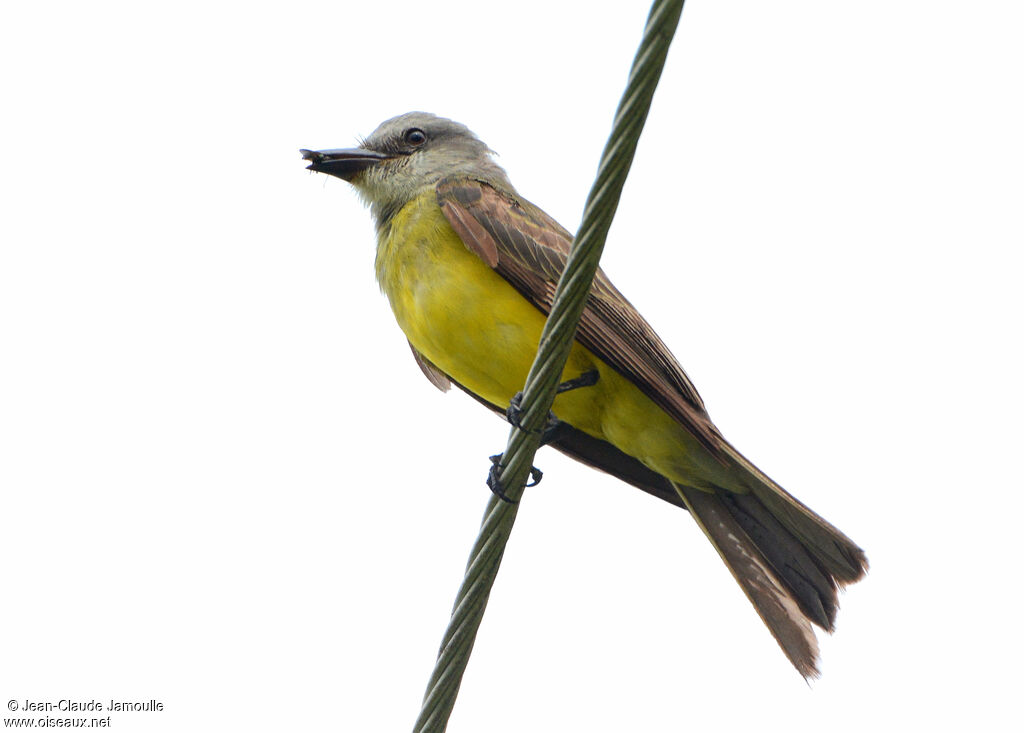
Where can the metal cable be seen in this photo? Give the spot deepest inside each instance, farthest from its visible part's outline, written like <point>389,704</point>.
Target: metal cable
<point>555,344</point>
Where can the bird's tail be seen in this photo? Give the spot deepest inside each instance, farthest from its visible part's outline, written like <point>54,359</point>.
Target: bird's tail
<point>789,561</point>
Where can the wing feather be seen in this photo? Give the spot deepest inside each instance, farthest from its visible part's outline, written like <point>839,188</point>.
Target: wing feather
<point>529,249</point>
<point>436,377</point>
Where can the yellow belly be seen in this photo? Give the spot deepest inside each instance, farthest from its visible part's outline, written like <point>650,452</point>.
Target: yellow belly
<point>475,327</point>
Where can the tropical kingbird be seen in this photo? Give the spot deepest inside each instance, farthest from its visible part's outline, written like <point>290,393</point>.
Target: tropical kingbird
<point>470,266</point>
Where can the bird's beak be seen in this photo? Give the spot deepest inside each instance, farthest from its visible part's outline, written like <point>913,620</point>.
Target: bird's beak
<point>345,163</point>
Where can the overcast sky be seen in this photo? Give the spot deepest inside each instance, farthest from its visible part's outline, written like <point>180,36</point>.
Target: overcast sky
<point>227,487</point>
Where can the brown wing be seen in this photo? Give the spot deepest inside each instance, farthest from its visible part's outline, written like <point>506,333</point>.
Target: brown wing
<point>437,378</point>
<point>529,249</point>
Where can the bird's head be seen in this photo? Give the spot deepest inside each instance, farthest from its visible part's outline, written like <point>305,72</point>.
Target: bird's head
<point>403,156</point>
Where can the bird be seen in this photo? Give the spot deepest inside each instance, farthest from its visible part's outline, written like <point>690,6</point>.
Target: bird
<point>469,267</point>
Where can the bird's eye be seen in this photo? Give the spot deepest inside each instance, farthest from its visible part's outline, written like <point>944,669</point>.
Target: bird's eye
<point>415,136</point>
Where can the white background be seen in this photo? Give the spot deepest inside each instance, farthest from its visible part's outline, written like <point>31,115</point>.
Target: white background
<point>227,487</point>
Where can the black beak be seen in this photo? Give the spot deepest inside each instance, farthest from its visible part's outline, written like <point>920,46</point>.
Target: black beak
<point>344,164</point>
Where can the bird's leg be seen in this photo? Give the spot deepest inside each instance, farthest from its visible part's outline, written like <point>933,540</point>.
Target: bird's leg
<point>587,379</point>
<point>514,413</point>
<point>550,432</point>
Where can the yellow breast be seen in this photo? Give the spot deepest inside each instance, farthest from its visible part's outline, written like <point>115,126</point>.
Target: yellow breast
<point>453,308</point>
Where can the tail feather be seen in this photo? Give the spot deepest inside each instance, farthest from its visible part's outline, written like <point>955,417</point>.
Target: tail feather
<point>838,554</point>
<point>777,604</point>
<point>812,585</point>
<point>789,561</point>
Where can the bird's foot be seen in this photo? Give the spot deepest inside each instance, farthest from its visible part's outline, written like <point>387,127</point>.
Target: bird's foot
<point>494,484</point>
<point>551,430</point>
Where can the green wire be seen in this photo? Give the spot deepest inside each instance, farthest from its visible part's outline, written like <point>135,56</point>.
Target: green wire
<point>555,344</point>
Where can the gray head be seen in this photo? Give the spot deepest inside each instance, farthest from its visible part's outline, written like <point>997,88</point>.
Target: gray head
<point>405,155</point>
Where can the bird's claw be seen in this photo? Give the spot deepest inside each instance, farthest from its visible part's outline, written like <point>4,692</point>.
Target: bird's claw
<point>551,430</point>
<point>494,483</point>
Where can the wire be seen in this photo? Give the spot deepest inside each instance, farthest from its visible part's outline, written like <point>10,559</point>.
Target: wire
<point>555,344</point>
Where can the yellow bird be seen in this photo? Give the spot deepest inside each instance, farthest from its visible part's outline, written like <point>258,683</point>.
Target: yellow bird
<point>470,266</point>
